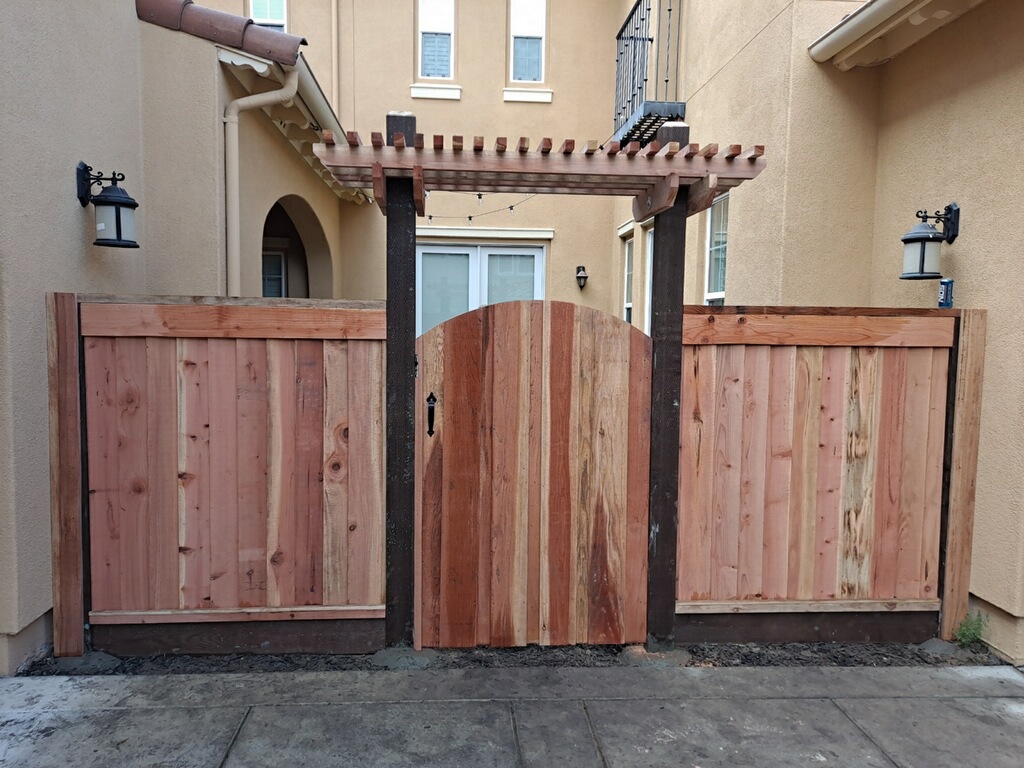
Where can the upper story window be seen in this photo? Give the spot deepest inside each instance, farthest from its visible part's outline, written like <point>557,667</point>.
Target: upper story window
<point>268,13</point>
<point>718,240</point>
<point>437,31</point>
<point>528,24</point>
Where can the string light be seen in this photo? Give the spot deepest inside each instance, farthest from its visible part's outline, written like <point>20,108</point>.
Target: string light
<point>509,208</point>
<point>479,199</point>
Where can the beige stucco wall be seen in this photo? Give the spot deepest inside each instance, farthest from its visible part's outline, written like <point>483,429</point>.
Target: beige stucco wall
<point>55,113</point>
<point>801,232</point>
<point>376,73</point>
<point>949,143</point>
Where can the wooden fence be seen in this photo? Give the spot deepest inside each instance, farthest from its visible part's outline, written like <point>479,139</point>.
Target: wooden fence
<point>235,461</point>
<point>230,455</point>
<point>812,456</point>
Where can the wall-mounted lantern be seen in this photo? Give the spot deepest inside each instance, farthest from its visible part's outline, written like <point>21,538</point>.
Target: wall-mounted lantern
<point>115,208</point>
<point>922,244</point>
<point>581,277</point>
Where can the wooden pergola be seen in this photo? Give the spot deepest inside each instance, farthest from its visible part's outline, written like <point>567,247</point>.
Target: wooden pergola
<point>669,179</point>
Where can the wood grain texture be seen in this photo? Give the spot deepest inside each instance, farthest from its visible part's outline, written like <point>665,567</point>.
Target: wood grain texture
<point>838,488</point>
<point>66,525</point>
<point>818,330</point>
<point>231,322</point>
<point>304,612</point>
<point>208,457</point>
<point>550,538</point>
<point>970,368</point>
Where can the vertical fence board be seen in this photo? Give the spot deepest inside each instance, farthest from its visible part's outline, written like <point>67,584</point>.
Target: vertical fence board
<point>223,507</point>
<point>913,473</point>
<point>460,547</point>
<point>752,473</point>
<point>337,462</point>
<point>536,473</point>
<point>697,447</point>
<point>133,471</point>
<point>725,530</point>
<point>638,468</point>
<point>193,473</point>
<point>585,457</point>
<point>970,370</point>
<point>308,506</point>
<point>861,428</point>
<point>484,498</point>
<point>104,481</point>
<point>281,556</point>
<point>252,424</point>
<point>161,448</point>
<point>806,431</point>
<point>429,531</point>
<point>888,479</point>
<point>505,471</point>
<point>779,458</point>
<point>829,470</point>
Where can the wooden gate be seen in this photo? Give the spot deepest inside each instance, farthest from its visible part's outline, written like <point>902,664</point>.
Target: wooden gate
<point>532,478</point>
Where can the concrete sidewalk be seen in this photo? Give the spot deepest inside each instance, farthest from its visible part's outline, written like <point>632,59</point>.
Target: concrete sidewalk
<point>644,716</point>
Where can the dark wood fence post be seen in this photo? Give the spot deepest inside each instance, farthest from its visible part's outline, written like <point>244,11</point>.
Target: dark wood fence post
<point>401,383</point>
<point>666,380</point>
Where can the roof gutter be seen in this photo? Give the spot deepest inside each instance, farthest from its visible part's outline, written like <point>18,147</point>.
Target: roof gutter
<point>855,26</point>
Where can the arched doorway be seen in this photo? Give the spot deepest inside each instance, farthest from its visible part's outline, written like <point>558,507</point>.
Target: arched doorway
<point>296,256</point>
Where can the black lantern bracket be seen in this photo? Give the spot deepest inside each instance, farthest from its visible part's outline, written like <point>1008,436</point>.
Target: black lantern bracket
<point>950,218</point>
<point>581,277</point>
<point>86,180</point>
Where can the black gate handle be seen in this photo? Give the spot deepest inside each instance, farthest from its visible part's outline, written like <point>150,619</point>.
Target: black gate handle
<point>431,402</point>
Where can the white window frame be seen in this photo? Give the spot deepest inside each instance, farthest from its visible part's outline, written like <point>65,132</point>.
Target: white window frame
<point>266,21</point>
<point>528,18</point>
<point>648,278</point>
<point>478,264</point>
<point>282,255</point>
<point>716,296</point>
<point>436,17</point>
<point>628,275</point>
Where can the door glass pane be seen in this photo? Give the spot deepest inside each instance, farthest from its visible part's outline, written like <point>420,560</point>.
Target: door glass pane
<point>510,277</point>
<point>273,275</point>
<point>445,283</point>
<point>436,54</point>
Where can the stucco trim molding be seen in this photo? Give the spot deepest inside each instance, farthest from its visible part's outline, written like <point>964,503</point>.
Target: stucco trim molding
<point>484,233</point>
<point>435,91</point>
<point>534,95</point>
<point>881,29</point>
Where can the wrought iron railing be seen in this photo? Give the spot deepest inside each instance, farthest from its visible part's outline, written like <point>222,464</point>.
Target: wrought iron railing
<point>647,57</point>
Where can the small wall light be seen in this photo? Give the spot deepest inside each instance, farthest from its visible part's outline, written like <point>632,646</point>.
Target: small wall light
<point>581,277</point>
<point>922,244</point>
<point>115,208</point>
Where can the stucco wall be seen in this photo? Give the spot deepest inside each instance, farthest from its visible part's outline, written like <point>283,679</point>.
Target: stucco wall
<point>950,142</point>
<point>55,112</point>
<point>183,163</point>
<point>801,232</point>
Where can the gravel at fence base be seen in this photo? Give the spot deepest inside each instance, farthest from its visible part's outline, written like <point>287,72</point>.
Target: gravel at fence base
<point>933,653</point>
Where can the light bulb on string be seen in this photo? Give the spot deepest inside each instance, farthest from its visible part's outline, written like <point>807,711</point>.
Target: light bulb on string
<point>479,199</point>
<point>511,210</point>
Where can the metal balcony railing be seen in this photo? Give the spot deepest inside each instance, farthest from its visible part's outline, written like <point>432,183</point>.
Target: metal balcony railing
<point>647,70</point>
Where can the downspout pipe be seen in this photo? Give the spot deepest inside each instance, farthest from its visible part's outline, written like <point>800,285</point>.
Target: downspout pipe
<point>232,192</point>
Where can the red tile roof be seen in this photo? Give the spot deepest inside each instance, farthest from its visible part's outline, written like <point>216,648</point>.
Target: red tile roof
<point>219,27</point>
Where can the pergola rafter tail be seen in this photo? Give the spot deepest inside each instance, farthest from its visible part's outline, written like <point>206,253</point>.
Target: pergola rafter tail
<point>651,175</point>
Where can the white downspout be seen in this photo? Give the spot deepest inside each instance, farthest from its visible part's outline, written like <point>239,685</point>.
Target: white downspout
<point>232,191</point>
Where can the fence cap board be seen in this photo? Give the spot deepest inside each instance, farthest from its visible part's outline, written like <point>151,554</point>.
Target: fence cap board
<point>818,330</point>
<point>232,321</point>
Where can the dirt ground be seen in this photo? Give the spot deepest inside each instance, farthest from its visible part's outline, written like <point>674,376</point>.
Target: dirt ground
<point>933,653</point>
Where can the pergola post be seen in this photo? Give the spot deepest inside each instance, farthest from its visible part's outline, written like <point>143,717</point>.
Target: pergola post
<point>668,263</point>
<point>400,393</point>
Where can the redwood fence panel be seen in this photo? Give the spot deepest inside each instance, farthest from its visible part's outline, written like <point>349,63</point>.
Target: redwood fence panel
<point>235,462</point>
<point>811,460</point>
